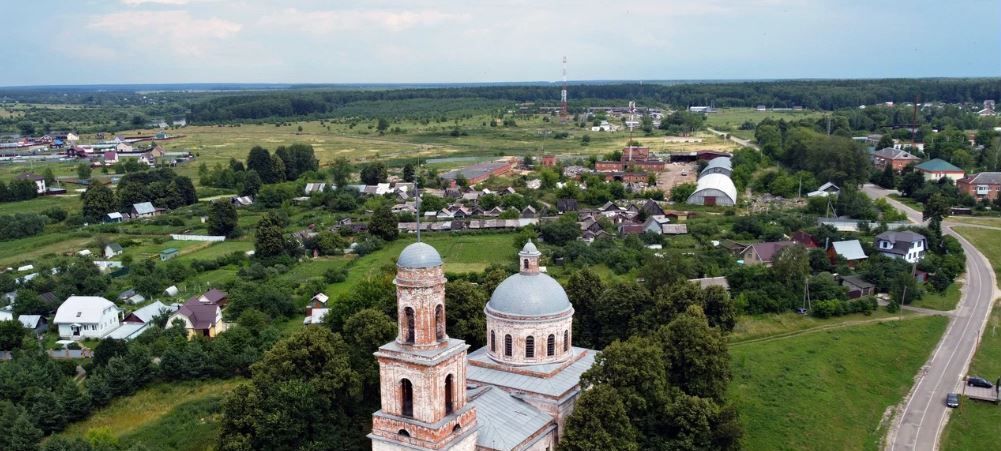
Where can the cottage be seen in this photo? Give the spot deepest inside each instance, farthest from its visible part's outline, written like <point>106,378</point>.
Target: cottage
<point>850,250</point>
<point>110,158</point>
<point>316,309</point>
<point>112,250</point>
<point>113,217</point>
<point>140,321</point>
<point>242,201</point>
<point>905,245</point>
<point>37,324</point>
<point>984,185</point>
<point>168,254</point>
<point>86,317</point>
<point>202,315</point>
<point>7,313</point>
<point>143,210</point>
<point>37,179</point>
<point>764,253</point>
<point>938,168</point>
<point>857,287</point>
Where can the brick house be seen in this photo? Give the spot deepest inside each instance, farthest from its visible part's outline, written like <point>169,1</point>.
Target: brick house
<point>897,158</point>
<point>984,185</point>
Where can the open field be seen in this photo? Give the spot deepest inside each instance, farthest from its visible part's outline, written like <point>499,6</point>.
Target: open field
<point>70,203</point>
<point>829,389</point>
<point>751,328</point>
<point>167,416</point>
<point>983,221</point>
<point>732,118</point>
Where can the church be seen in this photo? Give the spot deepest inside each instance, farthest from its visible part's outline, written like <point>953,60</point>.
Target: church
<point>515,393</point>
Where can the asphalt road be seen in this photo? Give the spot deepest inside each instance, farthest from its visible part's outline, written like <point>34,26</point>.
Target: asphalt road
<point>924,414</point>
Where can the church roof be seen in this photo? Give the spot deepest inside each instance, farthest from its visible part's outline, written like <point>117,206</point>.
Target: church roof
<point>419,255</point>
<point>533,294</point>
<point>557,383</point>
<point>505,421</point>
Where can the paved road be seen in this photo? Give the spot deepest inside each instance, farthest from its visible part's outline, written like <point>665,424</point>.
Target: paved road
<point>919,424</point>
<point>742,142</point>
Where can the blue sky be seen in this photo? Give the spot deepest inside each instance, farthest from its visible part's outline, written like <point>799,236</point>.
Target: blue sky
<point>311,41</point>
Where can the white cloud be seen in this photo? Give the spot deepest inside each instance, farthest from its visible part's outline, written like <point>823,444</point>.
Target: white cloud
<point>157,2</point>
<point>175,31</point>
<point>332,21</point>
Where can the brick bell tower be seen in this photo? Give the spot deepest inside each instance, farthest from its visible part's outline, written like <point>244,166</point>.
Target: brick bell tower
<point>422,374</point>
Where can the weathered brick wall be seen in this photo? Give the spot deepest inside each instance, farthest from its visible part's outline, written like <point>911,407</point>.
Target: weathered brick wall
<point>520,330</point>
<point>421,289</point>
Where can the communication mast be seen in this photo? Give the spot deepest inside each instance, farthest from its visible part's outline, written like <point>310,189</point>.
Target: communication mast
<point>563,93</point>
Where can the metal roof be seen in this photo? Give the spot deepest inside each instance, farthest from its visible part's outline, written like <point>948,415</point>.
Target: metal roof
<point>505,421</point>
<point>149,312</point>
<point>850,250</point>
<point>719,163</point>
<point>558,383</point>
<point>532,294</point>
<point>938,165</point>
<point>29,321</point>
<point>128,331</point>
<point>144,208</point>
<point>719,182</point>
<point>419,255</point>
<point>984,178</point>
<point>82,309</point>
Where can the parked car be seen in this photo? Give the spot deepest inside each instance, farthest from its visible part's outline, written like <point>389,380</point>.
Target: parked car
<point>952,400</point>
<point>978,381</point>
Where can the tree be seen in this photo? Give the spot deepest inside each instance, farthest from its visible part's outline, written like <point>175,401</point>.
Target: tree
<point>185,189</point>
<point>720,310</point>
<point>936,209</point>
<point>697,356</point>
<point>17,432</point>
<point>681,192</point>
<point>408,172</point>
<point>560,232</point>
<point>98,201</point>
<point>364,332</point>
<point>259,160</point>
<point>340,171</point>
<point>583,290</point>
<point>251,184</point>
<point>465,316</point>
<point>50,177</point>
<point>270,240</point>
<point>382,125</point>
<point>83,171</point>
<point>599,422</point>
<point>884,141</point>
<point>12,334</point>
<point>384,223</point>
<point>374,173</point>
<point>622,310</point>
<point>222,218</point>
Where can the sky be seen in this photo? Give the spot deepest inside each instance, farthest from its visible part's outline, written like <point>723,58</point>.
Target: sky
<point>427,41</point>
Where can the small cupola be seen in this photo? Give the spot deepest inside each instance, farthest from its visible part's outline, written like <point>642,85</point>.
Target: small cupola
<point>529,258</point>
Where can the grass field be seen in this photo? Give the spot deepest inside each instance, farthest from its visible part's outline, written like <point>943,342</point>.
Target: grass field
<point>944,301</point>
<point>987,242</point>
<point>732,118</point>
<point>170,416</point>
<point>751,328</point>
<point>908,201</point>
<point>829,389</point>
<point>70,203</point>
<point>988,221</point>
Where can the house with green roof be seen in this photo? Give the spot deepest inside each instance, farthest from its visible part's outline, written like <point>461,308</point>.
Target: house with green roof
<point>937,168</point>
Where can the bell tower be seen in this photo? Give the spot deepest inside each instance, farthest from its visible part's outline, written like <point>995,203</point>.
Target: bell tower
<point>422,374</point>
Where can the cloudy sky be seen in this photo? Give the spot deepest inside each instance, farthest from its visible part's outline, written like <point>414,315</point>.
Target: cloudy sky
<point>312,41</point>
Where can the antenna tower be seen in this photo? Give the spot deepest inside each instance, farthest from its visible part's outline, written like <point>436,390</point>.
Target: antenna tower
<point>563,93</point>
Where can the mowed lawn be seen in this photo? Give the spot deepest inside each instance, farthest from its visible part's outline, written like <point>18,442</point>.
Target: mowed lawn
<point>944,301</point>
<point>182,416</point>
<point>69,202</point>
<point>828,389</point>
<point>976,425</point>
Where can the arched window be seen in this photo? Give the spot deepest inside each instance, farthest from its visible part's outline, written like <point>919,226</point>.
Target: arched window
<point>566,340</point>
<point>448,394</point>
<point>526,263</point>
<point>407,398</point>
<point>457,429</point>
<point>551,345</point>
<point>439,322</point>
<point>493,344</point>
<point>408,325</point>
<point>404,433</point>
<point>529,347</point>
<point>507,345</point>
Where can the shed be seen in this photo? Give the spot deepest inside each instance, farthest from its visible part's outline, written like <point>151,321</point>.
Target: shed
<point>168,254</point>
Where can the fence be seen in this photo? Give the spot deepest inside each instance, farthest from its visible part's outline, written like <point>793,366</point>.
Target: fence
<point>197,238</point>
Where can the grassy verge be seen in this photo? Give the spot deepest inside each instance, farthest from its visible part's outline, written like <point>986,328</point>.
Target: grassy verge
<point>907,201</point>
<point>774,325</point>
<point>168,416</point>
<point>944,301</point>
<point>976,425</point>
<point>987,241</point>
<point>828,389</point>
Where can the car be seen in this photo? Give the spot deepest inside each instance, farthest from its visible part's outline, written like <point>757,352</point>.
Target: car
<point>978,381</point>
<point>801,310</point>
<point>952,400</point>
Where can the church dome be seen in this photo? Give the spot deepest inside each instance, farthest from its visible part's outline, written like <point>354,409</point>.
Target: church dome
<point>419,255</point>
<point>529,295</point>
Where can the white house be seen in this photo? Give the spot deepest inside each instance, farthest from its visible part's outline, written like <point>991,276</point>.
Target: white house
<point>39,181</point>
<point>7,313</point>
<point>86,317</point>
<point>112,250</point>
<point>908,246</point>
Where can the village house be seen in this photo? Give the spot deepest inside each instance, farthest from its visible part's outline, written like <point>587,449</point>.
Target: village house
<point>37,324</point>
<point>984,185</point>
<point>112,250</point>
<point>168,254</point>
<point>140,320</point>
<point>905,245</point>
<point>897,158</point>
<point>37,179</point>
<point>316,309</point>
<point>764,253</point>
<point>937,168</point>
<point>82,317</point>
<point>202,315</point>
<point>143,210</point>
<point>850,250</point>
<point>857,287</point>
